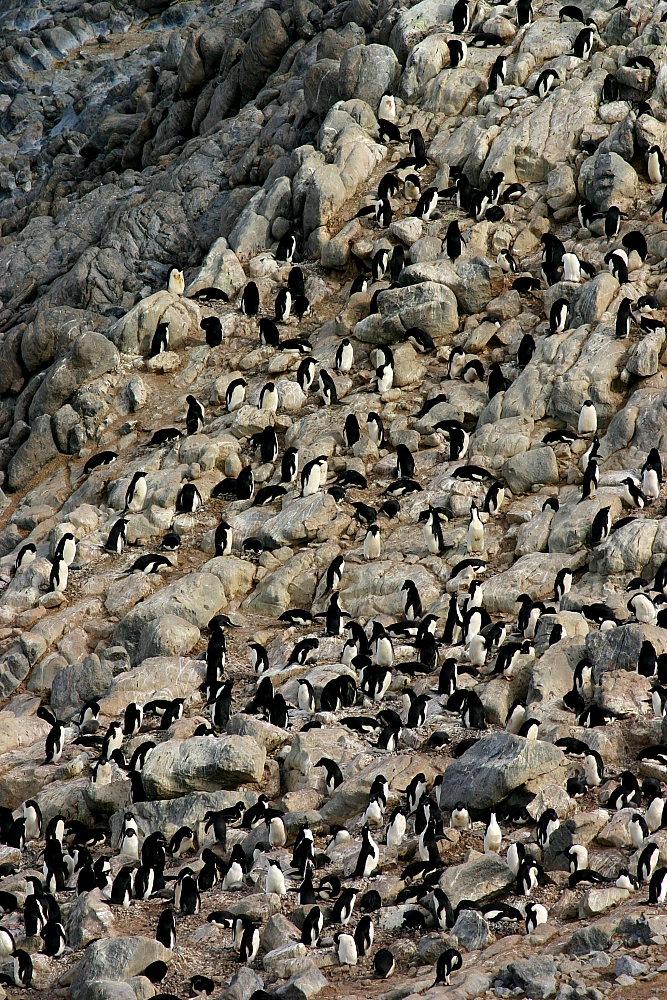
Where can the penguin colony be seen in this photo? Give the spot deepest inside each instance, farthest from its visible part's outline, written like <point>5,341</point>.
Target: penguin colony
<point>415,682</point>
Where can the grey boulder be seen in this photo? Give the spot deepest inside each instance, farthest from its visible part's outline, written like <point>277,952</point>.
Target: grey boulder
<point>202,763</point>
<point>493,767</point>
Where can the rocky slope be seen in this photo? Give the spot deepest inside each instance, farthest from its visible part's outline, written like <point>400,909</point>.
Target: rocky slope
<point>138,138</point>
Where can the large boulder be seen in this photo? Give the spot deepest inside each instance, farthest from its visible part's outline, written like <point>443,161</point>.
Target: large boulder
<point>367,72</point>
<point>493,767</point>
<point>116,959</point>
<point>479,880</point>
<point>202,764</point>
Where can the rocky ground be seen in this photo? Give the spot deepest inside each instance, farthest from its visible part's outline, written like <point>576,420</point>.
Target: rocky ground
<point>135,138</point>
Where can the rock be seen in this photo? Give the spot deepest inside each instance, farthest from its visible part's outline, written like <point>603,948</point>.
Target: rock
<point>596,901</point>
<point>479,880</point>
<point>286,960</point>
<point>471,930</point>
<point>428,305</point>
<point>493,767</point>
<point>203,763</point>
<point>532,574</point>
<point>618,648</point>
<point>89,919</point>
<point>169,815</point>
<point>91,356</point>
<point>534,468</point>
<point>367,72</point>
<point>33,455</point>
<point>167,636</point>
<point>196,598</point>
<point>305,984</point>
<point>117,959</point>
<point>263,52</point>
<point>626,965</point>
<point>535,976</point>
<point>589,939</point>
<point>606,179</point>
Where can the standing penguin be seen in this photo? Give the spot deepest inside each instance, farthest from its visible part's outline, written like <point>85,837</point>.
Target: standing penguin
<point>344,356</point>
<point>453,241</point>
<point>58,577</point>
<point>194,418</point>
<point>475,542</point>
<point>588,419</point>
<point>135,495</point>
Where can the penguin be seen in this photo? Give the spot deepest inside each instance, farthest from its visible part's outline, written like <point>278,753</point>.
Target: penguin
<point>369,854</point>
<point>536,914</point>
<point>601,526</point>
<point>58,577</point>
<point>460,817</point>
<point>364,935</point>
<point>189,499</point>
<point>656,165</point>
<point>422,341</point>
<point>7,942</point>
<point>327,388</point>
<point>612,222</point>
<point>396,828</point>
<point>590,481</point>
<point>524,12</point>
<point>26,555</point>
<point>160,341</point>
<point>547,825</point>
<point>268,398</point>
<point>588,419</point>
<point>343,907</point>
<point>54,744</point>
<point>583,43</point>
<point>212,328</point>
<point>384,374</point>
<point>286,248</point>
<point>346,949</point>
<point>372,543</point>
<point>571,268</point>
<point>624,318</point>
<point>384,963</point>
<point>275,880</point>
<point>427,204</point>
<point>617,264</point>
<point>453,241</point>
<point>657,888</point>
<point>250,299</point>
<point>493,836</point>
<point>475,542</point>
<point>166,929</point>
<point>289,466</point>
<point>311,928</point>
<point>458,52</point>
<point>222,539</point>
<point>32,816</point>
<point>22,968</point>
<point>632,494</point>
<point>334,775</point>
<point>235,394</point>
<point>283,305</point>
<point>249,945</point>
<point>497,74</point>
<point>344,357</point>
<point>397,263</point>
<point>412,605</point>
<point>516,855</point>
<point>559,316</point>
<point>449,961</point>
<point>375,428</point>
<point>310,478</point>
<point>562,583</point>
<point>547,79</point>
<point>648,861</point>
